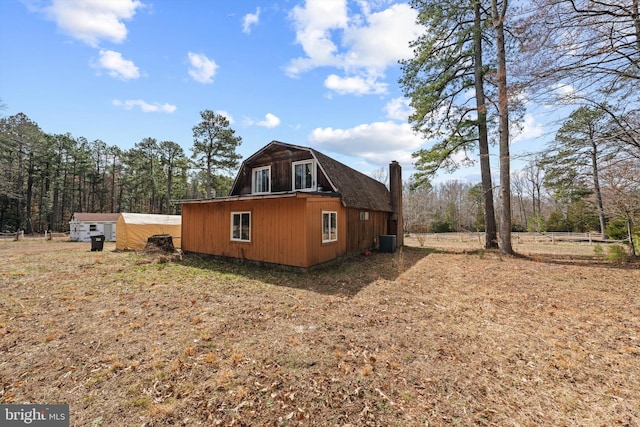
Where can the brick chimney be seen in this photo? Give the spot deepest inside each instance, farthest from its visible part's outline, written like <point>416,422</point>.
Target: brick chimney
<point>395,187</point>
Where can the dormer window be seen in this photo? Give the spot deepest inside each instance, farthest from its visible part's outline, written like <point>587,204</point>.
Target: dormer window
<point>261,180</point>
<point>304,176</point>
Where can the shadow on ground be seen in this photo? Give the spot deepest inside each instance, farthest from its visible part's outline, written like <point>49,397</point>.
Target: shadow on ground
<point>345,277</point>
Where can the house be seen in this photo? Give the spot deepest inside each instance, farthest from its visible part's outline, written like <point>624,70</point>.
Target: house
<point>133,229</point>
<point>292,205</point>
<point>84,225</point>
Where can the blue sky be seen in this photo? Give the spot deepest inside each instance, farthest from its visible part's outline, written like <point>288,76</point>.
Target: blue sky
<point>319,73</point>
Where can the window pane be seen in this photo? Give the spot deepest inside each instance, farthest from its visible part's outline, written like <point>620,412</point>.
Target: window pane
<point>245,226</point>
<point>299,173</point>
<point>236,226</point>
<point>308,179</point>
<point>333,231</point>
<point>325,227</point>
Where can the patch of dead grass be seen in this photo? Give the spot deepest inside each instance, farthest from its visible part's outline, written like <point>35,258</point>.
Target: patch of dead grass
<point>417,338</point>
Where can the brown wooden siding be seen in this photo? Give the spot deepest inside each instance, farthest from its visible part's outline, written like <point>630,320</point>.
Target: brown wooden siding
<point>281,171</point>
<point>277,230</point>
<point>319,252</point>
<point>364,234</point>
<point>285,230</point>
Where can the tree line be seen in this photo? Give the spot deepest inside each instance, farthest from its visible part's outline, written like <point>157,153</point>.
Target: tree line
<point>480,63</point>
<point>539,204</point>
<point>475,69</point>
<point>46,178</point>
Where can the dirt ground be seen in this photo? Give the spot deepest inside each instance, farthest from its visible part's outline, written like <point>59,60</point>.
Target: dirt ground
<point>421,337</point>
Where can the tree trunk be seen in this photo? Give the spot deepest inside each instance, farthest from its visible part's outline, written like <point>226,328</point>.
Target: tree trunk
<point>503,128</point>
<point>209,172</point>
<point>169,187</point>
<point>113,185</point>
<point>596,187</point>
<point>630,234</point>
<point>29,195</point>
<point>490,229</point>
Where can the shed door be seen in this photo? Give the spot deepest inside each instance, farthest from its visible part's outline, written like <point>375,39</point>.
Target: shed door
<point>108,233</point>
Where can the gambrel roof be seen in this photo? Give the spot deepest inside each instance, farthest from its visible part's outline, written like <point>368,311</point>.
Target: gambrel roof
<point>356,189</point>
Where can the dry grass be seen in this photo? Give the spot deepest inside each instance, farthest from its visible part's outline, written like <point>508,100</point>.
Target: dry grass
<point>421,337</point>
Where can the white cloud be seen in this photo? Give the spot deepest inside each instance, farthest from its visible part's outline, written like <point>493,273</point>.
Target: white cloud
<point>270,121</point>
<point>91,20</point>
<point>145,107</point>
<point>383,40</point>
<point>564,92</point>
<point>530,129</point>
<point>202,68</point>
<point>225,114</point>
<point>378,143</point>
<point>398,109</point>
<point>249,20</point>
<point>313,24</point>
<point>363,45</point>
<point>117,66</point>
<point>355,85</point>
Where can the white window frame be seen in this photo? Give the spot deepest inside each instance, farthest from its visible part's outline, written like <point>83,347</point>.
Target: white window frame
<point>332,236</point>
<point>240,214</point>
<point>364,215</point>
<point>313,175</point>
<point>255,171</point>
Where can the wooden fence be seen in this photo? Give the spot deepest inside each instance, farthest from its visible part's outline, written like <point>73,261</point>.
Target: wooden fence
<point>518,237</point>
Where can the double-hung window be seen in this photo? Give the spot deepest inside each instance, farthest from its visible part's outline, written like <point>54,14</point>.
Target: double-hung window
<point>241,226</point>
<point>329,227</point>
<point>304,175</point>
<point>261,180</point>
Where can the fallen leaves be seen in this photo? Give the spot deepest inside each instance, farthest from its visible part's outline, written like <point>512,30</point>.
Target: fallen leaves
<point>441,339</point>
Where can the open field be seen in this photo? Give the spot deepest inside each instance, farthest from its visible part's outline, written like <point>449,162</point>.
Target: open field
<point>551,244</point>
<point>419,337</point>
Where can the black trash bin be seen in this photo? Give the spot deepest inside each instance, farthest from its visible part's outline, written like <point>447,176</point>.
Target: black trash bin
<point>388,243</point>
<point>97,243</point>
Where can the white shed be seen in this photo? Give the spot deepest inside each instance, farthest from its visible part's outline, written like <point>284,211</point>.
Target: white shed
<point>85,225</point>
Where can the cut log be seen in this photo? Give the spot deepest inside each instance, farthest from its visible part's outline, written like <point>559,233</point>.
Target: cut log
<point>163,242</point>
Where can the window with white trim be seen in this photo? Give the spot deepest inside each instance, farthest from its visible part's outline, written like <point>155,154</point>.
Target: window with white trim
<point>241,226</point>
<point>261,180</point>
<point>364,216</point>
<point>304,175</point>
<point>329,227</point>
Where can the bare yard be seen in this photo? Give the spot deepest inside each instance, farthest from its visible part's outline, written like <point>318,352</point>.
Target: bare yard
<point>419,337</point>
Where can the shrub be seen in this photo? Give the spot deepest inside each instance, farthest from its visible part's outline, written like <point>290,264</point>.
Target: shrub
<point>617,253</point>
<point>617,229</point>
<point>597,249</point>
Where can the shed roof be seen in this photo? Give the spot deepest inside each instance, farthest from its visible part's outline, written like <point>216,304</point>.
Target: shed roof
<point>96,217</point>
<point>142,219</point>
<point>356,189</point>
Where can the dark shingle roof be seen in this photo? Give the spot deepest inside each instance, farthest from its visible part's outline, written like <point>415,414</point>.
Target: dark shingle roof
<point>357,190</point>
